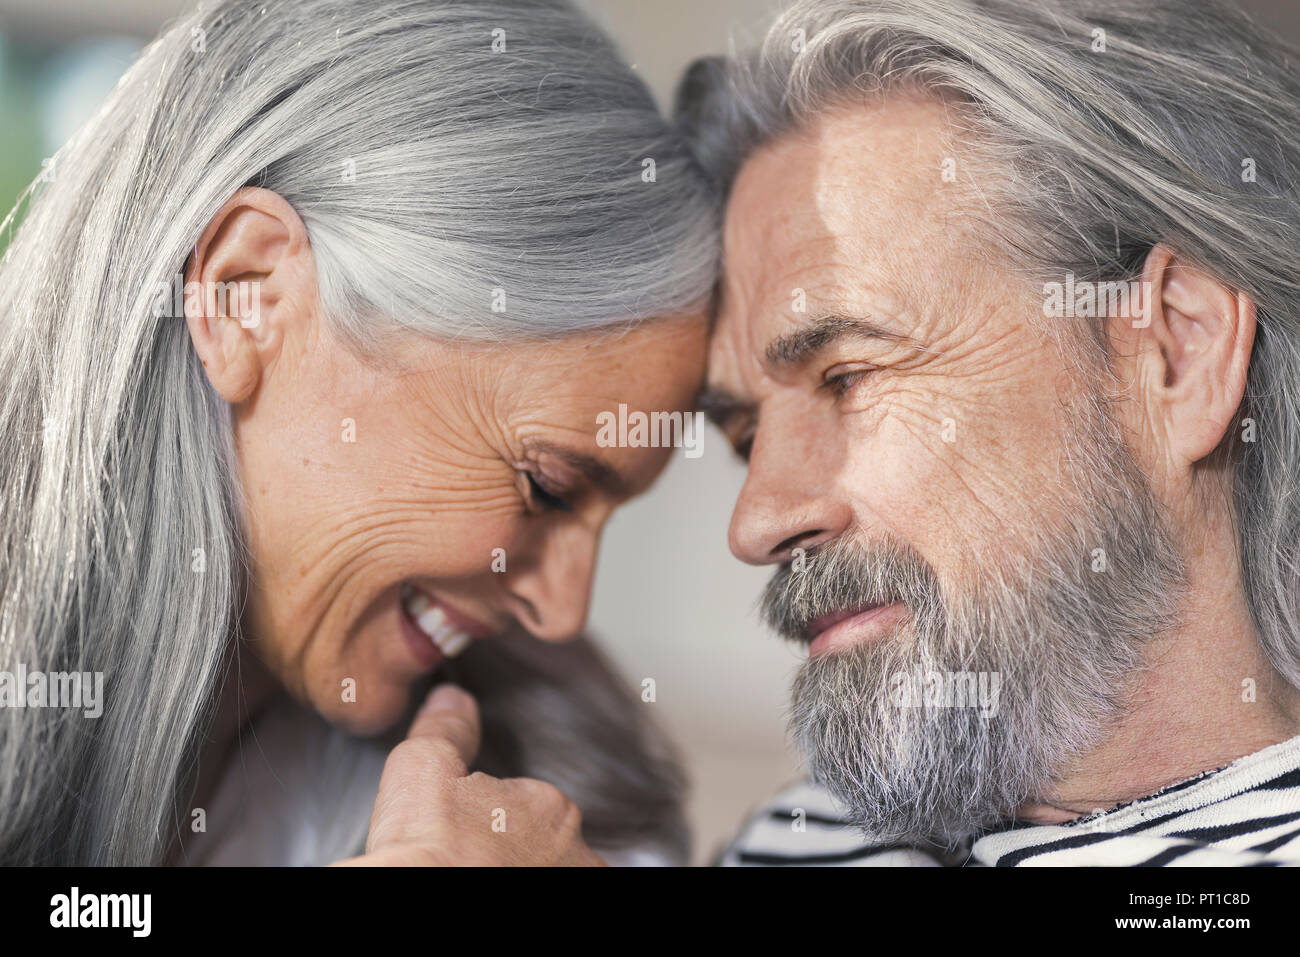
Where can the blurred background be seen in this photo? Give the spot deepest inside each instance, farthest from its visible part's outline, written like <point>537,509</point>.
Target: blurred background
<point>671,603</point>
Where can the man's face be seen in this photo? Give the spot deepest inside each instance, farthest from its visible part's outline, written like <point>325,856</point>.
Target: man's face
<point>937,483</point>
<point>941,429</point>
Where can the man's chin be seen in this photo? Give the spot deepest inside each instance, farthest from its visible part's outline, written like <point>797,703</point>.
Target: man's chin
<point>936,804</point>
<point>920,775</point>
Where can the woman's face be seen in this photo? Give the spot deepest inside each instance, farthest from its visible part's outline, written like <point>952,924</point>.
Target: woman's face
<point>398,510</point>
<point>397,514</point>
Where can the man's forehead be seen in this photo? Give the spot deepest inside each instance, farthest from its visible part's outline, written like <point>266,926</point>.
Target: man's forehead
<point>748,344</point>
<point>779,254</point>
<point>846,216</point>
<point>786,289</point>
<point>849,168</point>
<point>783,221</point>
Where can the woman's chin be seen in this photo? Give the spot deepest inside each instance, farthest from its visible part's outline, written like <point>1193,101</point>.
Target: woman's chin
<point>387,707</point>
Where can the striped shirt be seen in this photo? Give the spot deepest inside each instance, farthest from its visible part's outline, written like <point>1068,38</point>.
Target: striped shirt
<point>1245,814</point>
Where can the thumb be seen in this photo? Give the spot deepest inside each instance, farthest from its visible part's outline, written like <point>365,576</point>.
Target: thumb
<point>450,713</point>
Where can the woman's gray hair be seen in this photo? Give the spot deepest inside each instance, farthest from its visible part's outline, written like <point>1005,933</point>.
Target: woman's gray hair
<point>1104,128</point>
<point>447,157</point>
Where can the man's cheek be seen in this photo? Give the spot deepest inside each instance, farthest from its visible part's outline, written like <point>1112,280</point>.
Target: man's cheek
<point>898,473</point>
<point>932,468</point>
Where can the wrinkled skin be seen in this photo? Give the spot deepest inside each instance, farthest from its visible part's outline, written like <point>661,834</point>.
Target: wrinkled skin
<point>944,427</point>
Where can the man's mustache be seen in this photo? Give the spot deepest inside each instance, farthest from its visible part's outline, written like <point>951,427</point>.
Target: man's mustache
<point>845,575</point>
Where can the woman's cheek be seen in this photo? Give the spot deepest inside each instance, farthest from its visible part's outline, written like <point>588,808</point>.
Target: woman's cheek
<point>473,546</point>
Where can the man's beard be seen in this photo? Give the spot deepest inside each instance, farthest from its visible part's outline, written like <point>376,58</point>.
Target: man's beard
<point>1060,639</point>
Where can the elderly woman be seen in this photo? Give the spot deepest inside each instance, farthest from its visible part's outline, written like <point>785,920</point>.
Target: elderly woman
<point>424,244</point>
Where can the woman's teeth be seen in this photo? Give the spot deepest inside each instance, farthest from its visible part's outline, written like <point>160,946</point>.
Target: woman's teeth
<point>432,620</point>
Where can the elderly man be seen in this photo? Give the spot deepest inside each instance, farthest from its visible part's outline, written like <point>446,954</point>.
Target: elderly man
<point>1009,339</point>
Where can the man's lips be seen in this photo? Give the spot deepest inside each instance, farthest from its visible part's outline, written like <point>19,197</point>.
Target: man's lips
<point>852,625</point>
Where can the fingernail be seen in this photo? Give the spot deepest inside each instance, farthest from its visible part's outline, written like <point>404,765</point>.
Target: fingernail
<point>446,697</point>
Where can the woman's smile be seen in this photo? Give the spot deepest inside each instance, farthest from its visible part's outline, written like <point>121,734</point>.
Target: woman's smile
<point>366,435</point>
<point>434,629</point>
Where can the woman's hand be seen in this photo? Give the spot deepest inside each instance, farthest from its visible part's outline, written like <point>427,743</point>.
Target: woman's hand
<point>431,811</point>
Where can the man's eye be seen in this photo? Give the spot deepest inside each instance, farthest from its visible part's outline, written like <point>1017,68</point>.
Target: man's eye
<point>744,444</point>
<point>544,498</point>
<point>840,383</point>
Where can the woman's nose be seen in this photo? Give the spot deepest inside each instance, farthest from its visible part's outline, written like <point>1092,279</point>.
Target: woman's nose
<point>552,591</point>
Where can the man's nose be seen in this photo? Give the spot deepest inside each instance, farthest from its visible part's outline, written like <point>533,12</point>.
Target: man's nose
<point>551,593</point>
<point>787,503</point>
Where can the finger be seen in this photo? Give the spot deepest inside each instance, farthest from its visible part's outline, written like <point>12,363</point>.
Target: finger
<point>583,856</point>
<point>449,714</point>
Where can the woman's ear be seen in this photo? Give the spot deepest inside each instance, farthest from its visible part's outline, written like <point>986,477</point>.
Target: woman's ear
<point>1190,352</point>
<point>249,282</point>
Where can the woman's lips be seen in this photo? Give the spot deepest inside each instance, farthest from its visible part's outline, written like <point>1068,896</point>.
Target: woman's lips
<point>443,629</point>
<point>842,629</point>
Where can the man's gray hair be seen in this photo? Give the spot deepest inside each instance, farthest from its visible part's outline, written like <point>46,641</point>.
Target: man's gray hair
<point>438,151</point>
<point>1117,124</point>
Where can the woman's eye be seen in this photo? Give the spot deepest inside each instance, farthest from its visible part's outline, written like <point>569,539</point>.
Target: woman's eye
<point>544,498</point>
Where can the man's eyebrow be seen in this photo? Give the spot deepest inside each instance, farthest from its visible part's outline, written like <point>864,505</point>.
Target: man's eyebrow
<point>601,475</point>
<point>797,347</point>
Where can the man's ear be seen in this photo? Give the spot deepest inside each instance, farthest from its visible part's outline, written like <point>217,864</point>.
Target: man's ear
<point>1190,351</point>
<point>248,283</point>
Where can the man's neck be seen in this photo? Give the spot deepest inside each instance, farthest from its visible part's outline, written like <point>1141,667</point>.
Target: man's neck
<point>1207,696</point>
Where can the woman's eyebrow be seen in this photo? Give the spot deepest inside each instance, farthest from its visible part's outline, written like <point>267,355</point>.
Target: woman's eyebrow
<point>599,474</point>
